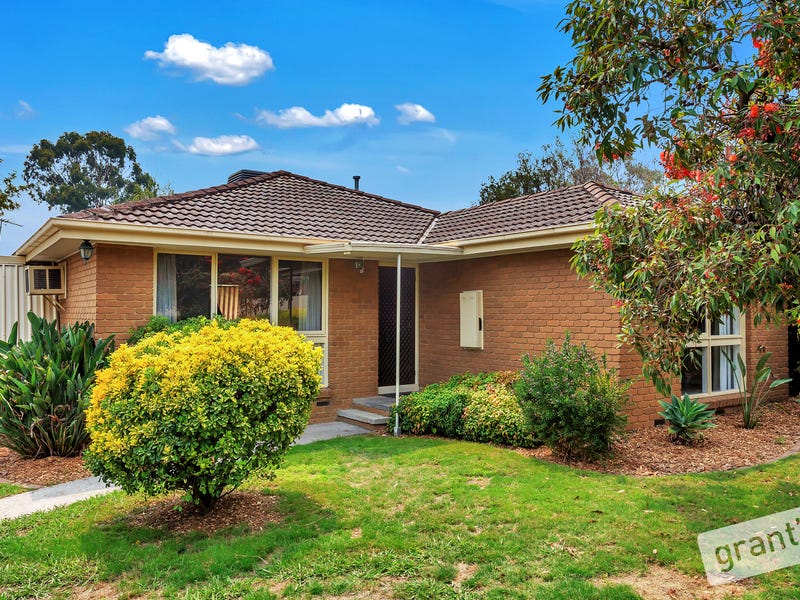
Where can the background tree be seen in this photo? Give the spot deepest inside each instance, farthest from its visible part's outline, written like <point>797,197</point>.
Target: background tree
<point>559,167</point>
<point>714,85</point>
<point>8,191</point>
<point>84,171</point>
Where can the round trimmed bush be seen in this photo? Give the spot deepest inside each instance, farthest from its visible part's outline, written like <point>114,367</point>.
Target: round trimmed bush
<point>199,411</point>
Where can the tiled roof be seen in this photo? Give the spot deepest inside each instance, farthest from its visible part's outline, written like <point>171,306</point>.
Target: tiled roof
<point>285,204</point>
<point>278,204</point>
<point>574,205</point>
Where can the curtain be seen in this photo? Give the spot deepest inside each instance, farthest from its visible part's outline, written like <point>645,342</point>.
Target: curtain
<point>167,287</point>
<point>311,280</point>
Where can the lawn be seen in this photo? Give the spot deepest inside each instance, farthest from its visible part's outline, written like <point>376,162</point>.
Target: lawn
<point>8,489</point>
<point>374,517</point>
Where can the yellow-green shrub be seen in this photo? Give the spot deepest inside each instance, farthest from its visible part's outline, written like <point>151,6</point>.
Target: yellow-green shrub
<point>199,411</point>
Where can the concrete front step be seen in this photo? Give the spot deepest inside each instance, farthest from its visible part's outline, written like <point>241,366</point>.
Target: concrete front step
<point>381,405</point>
<point>363,418</point>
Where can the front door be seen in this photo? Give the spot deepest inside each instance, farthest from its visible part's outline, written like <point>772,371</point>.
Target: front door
<point>387,315</point>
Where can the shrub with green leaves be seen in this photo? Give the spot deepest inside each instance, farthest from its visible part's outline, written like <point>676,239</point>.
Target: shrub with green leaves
<point>45,385</point>
<point>478,408</point>
<point>572,400</point>
<point>687,418</point>
<point>158,324</point>
<point>199,411</point>
<point>753,399</point>
<point>494,415</point>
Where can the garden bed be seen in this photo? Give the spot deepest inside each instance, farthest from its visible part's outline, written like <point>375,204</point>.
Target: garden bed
<point>648,452</point>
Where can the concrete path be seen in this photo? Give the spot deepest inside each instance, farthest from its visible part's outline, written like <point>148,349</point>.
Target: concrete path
<point>73,491</point>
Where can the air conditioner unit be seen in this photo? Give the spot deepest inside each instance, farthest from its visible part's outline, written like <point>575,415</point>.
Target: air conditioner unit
<point>45,280</point>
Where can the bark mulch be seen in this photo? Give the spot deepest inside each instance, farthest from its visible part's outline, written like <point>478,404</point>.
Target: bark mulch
<point>648,452</point>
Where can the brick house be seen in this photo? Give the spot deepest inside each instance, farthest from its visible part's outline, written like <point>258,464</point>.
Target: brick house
<point>479,287</point>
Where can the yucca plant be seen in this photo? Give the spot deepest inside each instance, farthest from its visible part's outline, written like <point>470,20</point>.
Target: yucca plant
<point>752,400</point>
<point>687,418</point>
<point>45,385</point>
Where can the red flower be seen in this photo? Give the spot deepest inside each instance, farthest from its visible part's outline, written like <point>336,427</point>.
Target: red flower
<point>718,212</point>
<point>732,157</point>
<point>754,111</point>
<point>242,271</point>
<point>757,44</point>
<point>607,242</point>
<point>770,107</point>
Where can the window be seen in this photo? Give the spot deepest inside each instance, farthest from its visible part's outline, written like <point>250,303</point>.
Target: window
<point>183,286</point>
<point>300,295</point>
<point>237,286</point>
<point>243,286</point>
<point>710,365</point>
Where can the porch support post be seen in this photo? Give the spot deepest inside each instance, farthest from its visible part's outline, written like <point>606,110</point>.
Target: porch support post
<point>397,351</point>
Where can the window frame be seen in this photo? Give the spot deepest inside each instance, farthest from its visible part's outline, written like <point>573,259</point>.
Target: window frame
<point>317,337</point>
<point>706,342</point>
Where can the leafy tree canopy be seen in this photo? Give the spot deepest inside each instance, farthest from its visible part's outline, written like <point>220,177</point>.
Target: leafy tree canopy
<point>8,191</point>
<point>559,167</point>
<point>713,84</point>
<point>84,171</point>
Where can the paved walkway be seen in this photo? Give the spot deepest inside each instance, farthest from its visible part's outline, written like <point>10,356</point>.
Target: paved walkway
<point>73,491</point>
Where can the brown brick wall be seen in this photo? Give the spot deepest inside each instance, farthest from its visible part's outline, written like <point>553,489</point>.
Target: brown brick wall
<point>352,336</point>
<point>80,302</point>
<point>527,298</point>
<point>125,276</point>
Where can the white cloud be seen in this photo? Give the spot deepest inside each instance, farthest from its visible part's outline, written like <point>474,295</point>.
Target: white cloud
<point>150,128</point>
<point>222,145</point>
<point>403,170</point>
<point>232,64</point>
<point>24,110</point>
<point>413,113</point>
<point>297,116</point>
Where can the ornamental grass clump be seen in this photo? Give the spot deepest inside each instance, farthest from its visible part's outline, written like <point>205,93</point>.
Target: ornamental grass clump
<point>45,385</point>
<point>199,411</point>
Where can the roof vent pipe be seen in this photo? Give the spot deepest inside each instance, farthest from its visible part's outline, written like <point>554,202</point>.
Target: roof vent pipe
<point>356,179</point>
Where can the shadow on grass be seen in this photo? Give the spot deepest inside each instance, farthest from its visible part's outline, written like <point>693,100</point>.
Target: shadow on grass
<point>150,558</point>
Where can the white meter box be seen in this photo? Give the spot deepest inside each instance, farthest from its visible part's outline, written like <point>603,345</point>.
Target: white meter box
<point>472,319</point>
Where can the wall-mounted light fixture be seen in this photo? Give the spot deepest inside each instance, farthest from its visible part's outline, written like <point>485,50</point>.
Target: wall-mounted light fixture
<point>86,249</point>
<point>359,265</point>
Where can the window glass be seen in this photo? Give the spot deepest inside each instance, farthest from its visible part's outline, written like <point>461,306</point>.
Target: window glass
<point>711,364</point>
<point>692,371</point>
<point>724,368</point>
<point>183,286</point>
<point>243,285</point>
<point>300,294</point>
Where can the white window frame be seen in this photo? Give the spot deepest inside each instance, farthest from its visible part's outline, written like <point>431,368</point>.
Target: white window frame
<point>706,342</point>
<point>318,338</point>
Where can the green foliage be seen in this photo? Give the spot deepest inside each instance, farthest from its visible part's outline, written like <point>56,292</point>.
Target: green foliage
<point>687,418</point>
<point>8,191</point>
<point>85,171</point>
<point>753,400</point>
<point>573,402</point>
<point>558,167</point>
<point>724,235</point>
<point>45,385</point>
<point>159,324</point>
<point>200,411</point>
<point>494,415</point>
<point>479,408</point>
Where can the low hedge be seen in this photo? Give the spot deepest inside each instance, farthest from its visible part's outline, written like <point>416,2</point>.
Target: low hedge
<point>479,408</point>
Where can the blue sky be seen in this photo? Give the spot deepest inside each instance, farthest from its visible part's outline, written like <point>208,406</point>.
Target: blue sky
<point>423,99</point>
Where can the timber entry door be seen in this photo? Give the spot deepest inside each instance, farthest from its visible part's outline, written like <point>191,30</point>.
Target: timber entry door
<point>387,298</point>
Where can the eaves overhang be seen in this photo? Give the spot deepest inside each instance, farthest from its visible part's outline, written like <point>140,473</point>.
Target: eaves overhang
<point>58,238</point>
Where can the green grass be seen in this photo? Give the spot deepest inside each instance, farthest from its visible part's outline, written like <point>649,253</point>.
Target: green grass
<point>407,518</point>
<point>9,489</point>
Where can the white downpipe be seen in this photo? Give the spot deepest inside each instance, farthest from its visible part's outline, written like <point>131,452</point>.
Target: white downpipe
<point>397,352</point>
